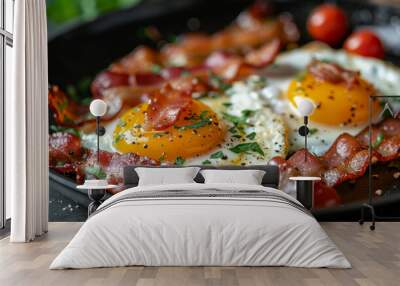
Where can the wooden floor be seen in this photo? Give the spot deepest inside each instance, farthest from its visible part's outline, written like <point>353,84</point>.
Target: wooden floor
<point>375,257</point>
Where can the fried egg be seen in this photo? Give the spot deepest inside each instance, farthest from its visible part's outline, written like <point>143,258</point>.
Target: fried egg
<point>339,109</point>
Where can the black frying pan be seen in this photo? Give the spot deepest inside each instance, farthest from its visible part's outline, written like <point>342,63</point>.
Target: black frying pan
<point>82,50</point>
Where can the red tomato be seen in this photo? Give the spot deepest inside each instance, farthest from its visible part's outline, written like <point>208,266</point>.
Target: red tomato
<point>327,23</point>
<point>365,43</point>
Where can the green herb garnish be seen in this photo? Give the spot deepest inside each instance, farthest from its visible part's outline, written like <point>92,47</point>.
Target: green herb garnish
<point>156,69</point>
<point>65,129</point>
<point>95,171</point>
<point>121,123</point>
<point>233,130</point>
<point>203,120</point>
<point>118,138</point>
<point>312,131</point>
<point>251,136</point>
<point>179,161</point>
<point>206,162</point>
<point>247,148</point>
<point>227,104</point>
<point>217,155</point>
<point>217,82</point>
<point>378,140</point>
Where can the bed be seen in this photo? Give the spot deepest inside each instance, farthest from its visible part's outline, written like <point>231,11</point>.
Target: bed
<point>201,224</point>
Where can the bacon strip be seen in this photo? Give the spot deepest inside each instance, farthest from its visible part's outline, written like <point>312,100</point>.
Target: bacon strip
<point>333,73</point>
<point>165,107</point>
<point>64,148</point>
<point>113,163</point>
<point>347,158</point>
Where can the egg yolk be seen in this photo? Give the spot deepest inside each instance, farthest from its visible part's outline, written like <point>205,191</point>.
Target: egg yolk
<point>196,131</point>
<point>336,103</point>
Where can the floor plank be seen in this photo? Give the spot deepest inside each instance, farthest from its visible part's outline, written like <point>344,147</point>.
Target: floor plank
<point>375,257</point>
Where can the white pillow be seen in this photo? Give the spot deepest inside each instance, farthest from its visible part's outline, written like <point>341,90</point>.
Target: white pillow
<point>248,177</point>
<point>166,176</point>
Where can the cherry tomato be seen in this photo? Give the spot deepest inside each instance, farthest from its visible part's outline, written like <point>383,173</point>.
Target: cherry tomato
<point>365,43</point>
<point>327,23</point>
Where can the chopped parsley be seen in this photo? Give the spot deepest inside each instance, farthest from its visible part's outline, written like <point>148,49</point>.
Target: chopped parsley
<point>206,162</point>
<point>251,136</point>
<point>118,138</point>
<point>300,76</point>
<point>95,171</point>
<point>156,69</point>
<point>247,148</point>
<point>238,120</point>
<point>217,82</point>
<point>378,141</point>
<point>312,131</point>
<point>72,131</point>
<point>217,155</point>
<point>203,120</point>
<point>233,130</point>
<point>121,123</point>
<point>227,104</point>
<point>179,161</point>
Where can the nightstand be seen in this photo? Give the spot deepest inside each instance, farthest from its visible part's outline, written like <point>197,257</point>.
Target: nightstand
<point>305,190</point>
<point>96,194</point>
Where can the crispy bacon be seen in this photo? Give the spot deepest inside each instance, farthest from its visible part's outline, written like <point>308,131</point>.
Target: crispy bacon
<point>324,196</point>
<point>165,107</point>
<point>347,159</point>
<point>64,148</point>
<point>108,79</point>
<point>264,55</point>
<point>333,73</point>
<point>342,149</point>
<point>306,167</point>
<point>141,59</point>
<point>113,163</point>
<point>65,111</point>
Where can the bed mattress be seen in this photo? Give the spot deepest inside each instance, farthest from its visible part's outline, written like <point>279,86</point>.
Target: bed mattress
<point>201,225</point>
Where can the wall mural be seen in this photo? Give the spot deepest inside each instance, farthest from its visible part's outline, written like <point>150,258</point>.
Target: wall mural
<point>231,97</point>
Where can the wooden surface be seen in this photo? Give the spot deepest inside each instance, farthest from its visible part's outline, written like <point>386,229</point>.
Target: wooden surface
<point>375,257</point>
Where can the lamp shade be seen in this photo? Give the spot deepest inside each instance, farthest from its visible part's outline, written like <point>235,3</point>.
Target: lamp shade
<point>98,107</point>
<point>304,106</point>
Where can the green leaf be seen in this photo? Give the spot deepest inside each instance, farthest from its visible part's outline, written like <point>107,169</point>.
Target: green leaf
<point>69,130</point>
<point>95,171</point>
<point>247,147</point>
<point>156,69</point>
<point>300,76</point>
<point>236,120</point>
<point>206,162</point>
<point>312,131</point>
<point>251,136</point>
<point>179,161</point>
<point>203,121</point>
<point>227,104</point>
<point>233,130</point>
<point>217,155</point>
<point>246,113</point>
<point>378,140</point>
<point>60,11</point>
<point>217,82</point>
<point>121,123</point>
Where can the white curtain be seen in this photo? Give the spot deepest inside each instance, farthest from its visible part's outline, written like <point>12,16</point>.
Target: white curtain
<point>27,124</point>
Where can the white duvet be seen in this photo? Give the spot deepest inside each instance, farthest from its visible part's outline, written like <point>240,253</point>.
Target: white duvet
<point>188,231</point>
